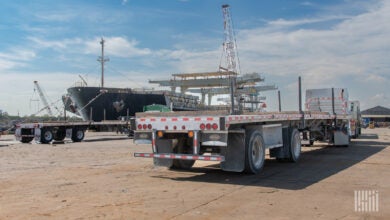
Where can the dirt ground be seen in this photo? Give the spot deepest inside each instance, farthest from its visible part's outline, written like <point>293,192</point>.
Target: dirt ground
<point>100,179</point>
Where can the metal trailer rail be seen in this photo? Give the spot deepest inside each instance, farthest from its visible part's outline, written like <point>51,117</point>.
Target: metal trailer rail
<point>45,132</point>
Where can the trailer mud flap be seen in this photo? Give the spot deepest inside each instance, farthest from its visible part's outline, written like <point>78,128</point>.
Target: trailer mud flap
<point>37,134</point>
<point>283,152</point>
<point>68,133</point>
<point>341,138</point>
<point>234,153</point>
<point>164,146</point>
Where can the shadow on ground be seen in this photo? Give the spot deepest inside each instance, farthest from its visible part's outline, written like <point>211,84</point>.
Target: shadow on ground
<point>99,139</point>
<point>314,166</point>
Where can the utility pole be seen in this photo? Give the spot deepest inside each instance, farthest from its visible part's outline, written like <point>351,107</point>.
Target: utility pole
<point>102,60</point>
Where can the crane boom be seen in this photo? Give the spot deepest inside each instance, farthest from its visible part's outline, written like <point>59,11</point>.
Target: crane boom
<point>43,98</point>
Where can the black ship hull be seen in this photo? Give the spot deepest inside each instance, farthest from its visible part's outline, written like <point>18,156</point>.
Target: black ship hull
<point>98,104</point>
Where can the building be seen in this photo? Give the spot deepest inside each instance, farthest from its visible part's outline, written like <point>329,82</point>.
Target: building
<point>379,115</point>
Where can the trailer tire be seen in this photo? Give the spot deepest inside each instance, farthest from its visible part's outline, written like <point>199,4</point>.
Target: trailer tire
<point>46,136</point>
<point>77,135</point>
<point>60,135</point>
<point>254,152</point>
<point>295,146</point>
<point>26,139</point>
<point>182,147</point>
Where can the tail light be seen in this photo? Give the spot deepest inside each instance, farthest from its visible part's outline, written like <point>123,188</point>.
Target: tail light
<point>215,126</point>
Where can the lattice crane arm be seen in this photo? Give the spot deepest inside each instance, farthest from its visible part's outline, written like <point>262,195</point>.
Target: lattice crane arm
<point>43,98</point>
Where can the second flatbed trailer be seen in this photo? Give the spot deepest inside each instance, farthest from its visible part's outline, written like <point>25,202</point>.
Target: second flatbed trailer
<point>46,132</point>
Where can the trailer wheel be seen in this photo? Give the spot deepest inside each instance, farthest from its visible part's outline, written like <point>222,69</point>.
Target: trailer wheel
<point>26,139</point>
<point>183,147</point>
<point>77,135</point>
<point>60,135</point>
<point>254,152</point>
<point>46,136</point>
<point>295,146</point>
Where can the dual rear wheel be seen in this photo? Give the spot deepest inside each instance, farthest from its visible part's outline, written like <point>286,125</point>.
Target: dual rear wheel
<point>47,135</point>
<point>255,150</point>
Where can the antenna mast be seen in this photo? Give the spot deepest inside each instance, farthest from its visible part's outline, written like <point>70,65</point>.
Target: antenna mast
<point>102,60</point>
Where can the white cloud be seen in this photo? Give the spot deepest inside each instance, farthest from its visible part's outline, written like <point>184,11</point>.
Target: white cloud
<point>16,57</point>
<point>117,46</point>
<point>283,22</point>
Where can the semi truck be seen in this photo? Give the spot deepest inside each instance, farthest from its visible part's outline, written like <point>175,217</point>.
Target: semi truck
<point>238,141</point>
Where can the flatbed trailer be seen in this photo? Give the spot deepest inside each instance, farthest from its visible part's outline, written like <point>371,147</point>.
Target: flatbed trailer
<point>46,132</point>
<point>238,142</point>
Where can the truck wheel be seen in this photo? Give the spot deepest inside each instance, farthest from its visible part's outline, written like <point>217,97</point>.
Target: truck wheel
<point>26,139</point>
<point>46,136</point>
<point>295,146</point>
<point>60,135</point>
<point>254,152</point>
<point>183,147</point>
<point>77,135</point>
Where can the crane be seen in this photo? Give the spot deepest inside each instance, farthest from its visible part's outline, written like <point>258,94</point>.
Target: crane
<point>229,44</point>
<point>231,54</point>
<point>43,98</point>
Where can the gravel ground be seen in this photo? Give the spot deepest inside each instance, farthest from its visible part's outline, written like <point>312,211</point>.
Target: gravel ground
<point>99,178</point>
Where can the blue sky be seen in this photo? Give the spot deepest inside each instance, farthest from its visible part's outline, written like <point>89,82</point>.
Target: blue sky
<point>334,43</point>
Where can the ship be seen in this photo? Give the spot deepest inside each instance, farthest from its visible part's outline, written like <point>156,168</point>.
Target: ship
<point>100,103</point>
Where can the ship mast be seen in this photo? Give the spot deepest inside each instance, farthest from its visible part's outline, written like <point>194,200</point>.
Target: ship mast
<point>102,60</point>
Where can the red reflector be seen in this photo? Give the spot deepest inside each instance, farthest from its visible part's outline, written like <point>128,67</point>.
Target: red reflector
<point>208,126</point>
<point>166,127</point>
<point>183,127</point>
<point>149,126</point>
<point>174,127</point>
<point>144,126</point>
<point>202,126</point>
<point>139,126</point>
<point>215,126</point>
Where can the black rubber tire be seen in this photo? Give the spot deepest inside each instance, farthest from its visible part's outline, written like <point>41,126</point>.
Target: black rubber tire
<point>254,152</point>
<point>26,139</point>
<point>295,146</point>
<point>78,135</point>
<point>46,136</point>
<point>60,135</point>
<point>183,147</point>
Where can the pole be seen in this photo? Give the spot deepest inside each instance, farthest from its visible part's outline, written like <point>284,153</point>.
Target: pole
<point>102,63</point>
<point>102,60</point>
<point>300,102</point>
<point>280,104</point>
<point>90,113</point>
